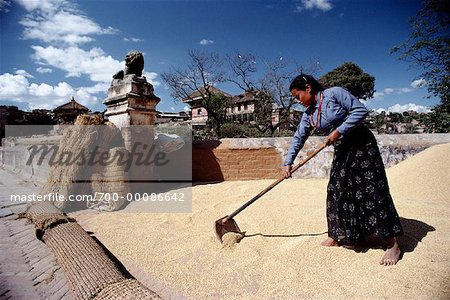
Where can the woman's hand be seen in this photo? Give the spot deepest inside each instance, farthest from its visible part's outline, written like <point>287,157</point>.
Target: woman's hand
<point>332,138</point>
<point>286,171</point>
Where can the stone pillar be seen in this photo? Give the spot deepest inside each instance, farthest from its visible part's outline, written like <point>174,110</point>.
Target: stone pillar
<point>131,106</point>
<point>131,101</point>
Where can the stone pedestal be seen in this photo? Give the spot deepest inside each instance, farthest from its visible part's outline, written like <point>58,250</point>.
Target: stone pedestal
<point>131,106</point>
<point>131,101</point>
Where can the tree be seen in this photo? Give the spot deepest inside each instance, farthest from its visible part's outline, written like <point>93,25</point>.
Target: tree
<point>438,120</point>
<point>352,78</point>
<point>271,90</point>
<point>428,47</point>
<point>217,109</point>
<point>202,73</point>
<point>242,73</point>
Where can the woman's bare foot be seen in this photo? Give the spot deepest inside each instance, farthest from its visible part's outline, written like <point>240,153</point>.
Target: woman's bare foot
<point>330,242</point>
<point>392,254</point>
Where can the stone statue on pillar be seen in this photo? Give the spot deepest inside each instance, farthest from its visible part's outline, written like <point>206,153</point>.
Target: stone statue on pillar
<point>131,106</point>
<point>131,99</point>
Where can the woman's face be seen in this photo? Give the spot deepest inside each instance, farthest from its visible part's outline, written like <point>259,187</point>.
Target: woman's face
<point>303,97</point>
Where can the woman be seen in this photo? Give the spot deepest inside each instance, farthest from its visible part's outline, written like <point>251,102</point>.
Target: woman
<point>359,204</point>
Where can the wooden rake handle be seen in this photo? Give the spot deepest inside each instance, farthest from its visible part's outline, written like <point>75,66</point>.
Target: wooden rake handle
<point>295,168</point>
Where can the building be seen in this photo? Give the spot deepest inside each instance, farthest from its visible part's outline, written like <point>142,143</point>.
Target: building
<point>198,112</point>
<point>12,115</point>
<point>172,117</point>
<point>242,108</point>
<point>68,112</point>
<point>295,116</point>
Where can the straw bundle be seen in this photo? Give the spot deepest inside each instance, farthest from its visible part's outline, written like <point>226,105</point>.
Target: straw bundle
<point>112,182</point>
<point>88,269</point>
<point>72,176</point>
<point>126,289</point>
<point>89,120</point>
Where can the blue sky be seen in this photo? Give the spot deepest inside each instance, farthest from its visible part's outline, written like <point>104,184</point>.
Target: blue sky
<point>52,50</point>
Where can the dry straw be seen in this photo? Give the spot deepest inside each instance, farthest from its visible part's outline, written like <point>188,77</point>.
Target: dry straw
<point>73,178</point>
<point>89,270</point>
<point>111,182</point>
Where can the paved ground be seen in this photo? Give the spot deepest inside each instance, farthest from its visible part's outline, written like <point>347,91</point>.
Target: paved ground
<point>28,269</point>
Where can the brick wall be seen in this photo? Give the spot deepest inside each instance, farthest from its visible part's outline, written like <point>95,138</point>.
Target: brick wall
<point>218,161</point>
<point>261,158</point>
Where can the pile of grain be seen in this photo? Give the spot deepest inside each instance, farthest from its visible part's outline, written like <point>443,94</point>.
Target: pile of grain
<point>280,257</point>
<point>230,239</point>
<point>423,176</point>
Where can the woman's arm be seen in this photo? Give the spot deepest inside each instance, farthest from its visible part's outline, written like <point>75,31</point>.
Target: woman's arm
<point>356,111</point>
<point>299,139</point>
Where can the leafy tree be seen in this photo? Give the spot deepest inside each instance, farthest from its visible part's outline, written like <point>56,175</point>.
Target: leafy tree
<point>217,108</point>
<point>352,78</point>
<point>428,48</point>
<point>438,120</point>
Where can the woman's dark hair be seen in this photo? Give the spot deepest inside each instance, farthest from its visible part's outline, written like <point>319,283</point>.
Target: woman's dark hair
<point>302,80</point>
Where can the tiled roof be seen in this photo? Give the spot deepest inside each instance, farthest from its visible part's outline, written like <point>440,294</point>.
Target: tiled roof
<point>201,91</point>
<point>71,105</point>
<point>246,97</point>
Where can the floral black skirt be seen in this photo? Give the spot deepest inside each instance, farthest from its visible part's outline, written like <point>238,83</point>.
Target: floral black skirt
<point>359,203</point>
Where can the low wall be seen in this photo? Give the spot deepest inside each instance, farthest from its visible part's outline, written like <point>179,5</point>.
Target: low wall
<point>242,159</point>
<point>234,159</point>
<point>261,158</point>
<point>15,155</point>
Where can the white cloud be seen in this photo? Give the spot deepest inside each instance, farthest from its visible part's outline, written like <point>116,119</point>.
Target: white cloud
<point>43,70</point>
<point>414,85</point>
<point>378,95</point>
<point>59,22</point>
<point>418,83</point>
<point>206,42</point>
<point>187,108</point>
<point>59,30</point>
<point>95,89</point>
<point>388,91</point>
<point>407,107</point>
<point>17,88</point>
<point>45,6</point>
<point>63,89</point>
<point>12,85</point>
<point>404,90</point>
<point>41,90</point>
<point>23,73</point>
<point>133,39</point>
<point>151,77</point>
<point>77,62</point>
<point>324,5</point>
